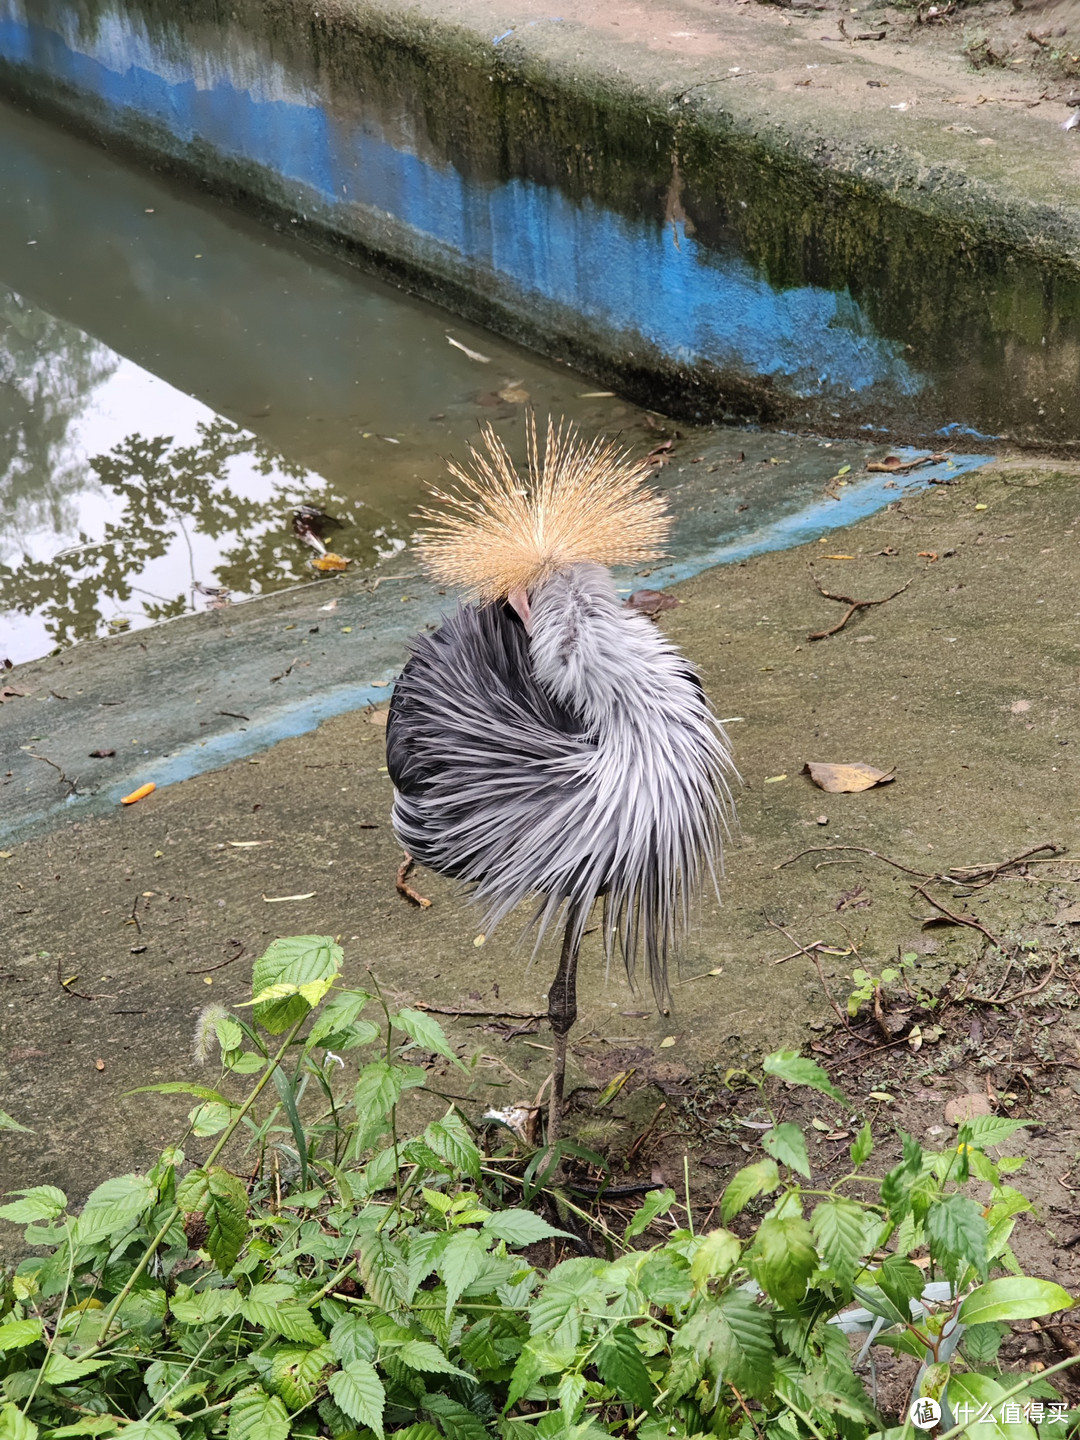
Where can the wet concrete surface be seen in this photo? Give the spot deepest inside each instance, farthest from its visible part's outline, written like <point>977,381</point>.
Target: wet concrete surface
<point>191,695</point>
<point>967,684</point>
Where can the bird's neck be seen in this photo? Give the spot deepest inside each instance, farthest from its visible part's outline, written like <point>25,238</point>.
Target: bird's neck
<point>588,652</point>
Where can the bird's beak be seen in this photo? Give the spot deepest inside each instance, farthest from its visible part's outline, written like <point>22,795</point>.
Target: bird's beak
<point>519,599</point>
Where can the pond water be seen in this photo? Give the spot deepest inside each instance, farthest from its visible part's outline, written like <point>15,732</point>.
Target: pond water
<point>175,379</point>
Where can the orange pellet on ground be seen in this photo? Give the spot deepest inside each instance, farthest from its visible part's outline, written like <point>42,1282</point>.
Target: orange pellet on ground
<point>139,794</point>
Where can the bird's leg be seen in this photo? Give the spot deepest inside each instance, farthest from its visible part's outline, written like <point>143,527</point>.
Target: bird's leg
<point>562,1012</point>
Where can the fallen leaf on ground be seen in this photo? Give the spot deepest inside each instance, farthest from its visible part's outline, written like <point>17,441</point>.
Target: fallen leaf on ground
<point>139,794</point>
<point>379,717</point>
<point>846,779</point>
<point>667,1042</point>
<point>330,561</point>
<point>102,754</point>
<point>513,395</point>
<point>277,899</point>
<point>247,844</point>
<point>8,692</point>
<point>651,602</point>
<point>966,1107</point>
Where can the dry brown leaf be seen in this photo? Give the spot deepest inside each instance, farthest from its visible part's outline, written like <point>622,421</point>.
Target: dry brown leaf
<point>966,1107</point>
<point>846,779</point>
<point>330,561</point>
<point>513,395</point>
<point>9,692</point>
<point>379,717</point>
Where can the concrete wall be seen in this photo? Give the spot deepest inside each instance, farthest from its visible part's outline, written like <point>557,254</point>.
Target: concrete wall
<point>679,256</point>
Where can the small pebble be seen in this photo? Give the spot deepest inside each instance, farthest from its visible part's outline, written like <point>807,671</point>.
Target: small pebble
<point>823,819</point>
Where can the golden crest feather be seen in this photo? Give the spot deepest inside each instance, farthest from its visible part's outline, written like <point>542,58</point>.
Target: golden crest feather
<point>581,500</point>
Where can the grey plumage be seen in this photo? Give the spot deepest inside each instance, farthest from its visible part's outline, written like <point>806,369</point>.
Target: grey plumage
<point>578,759</point>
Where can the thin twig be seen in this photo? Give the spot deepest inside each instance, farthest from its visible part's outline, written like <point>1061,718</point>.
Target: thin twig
<point>968,920</point>
<point>208,969</point>
<point>854,607</point>
<point>1019,995</point>
<point>497,1014</point>
<point>405,889</point>
<point>73,785</point>
<point>862,850</point>
<point>812,954</point>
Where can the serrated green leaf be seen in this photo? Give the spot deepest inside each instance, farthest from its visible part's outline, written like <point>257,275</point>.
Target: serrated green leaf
<point>202,1307</point>
<point>787,1144</point>
<point>983,1131</point>
<point>352,1338</point>
<point>156,1430</point>
<point>298,960</point>
<point>957,1234</point>
<point>428,1359</point>
<point>797,1069</point>
<point>532,1365</point>
<point>458,1421</point>
<point>746,1184</point>
<point>296,1372</point>
<point>619,1364</point>
<point>281,1315</point>
<point>62,1369</point>
<point>255,1415</point>
<point>209,1119</point>
<point>359,1392</point>
<point>839,1231</point>
<point>14,1425</point>
<point>427,1032</point>
<point>180,1087</point>
<point>571,1392</point>
<point>459,1264</point>
<point>451,1141</point>
<point>981,1343</point>
<point>378,1089</point>
<point>862,1147</point>
<point>717,1254</point>
<point>732,1338</point>
<point>901,1280</point>
<point>221,1198</point>
<point>657,1202</point>
<point>520,1227</point>
<point>338,1015</point>
<point>17,1334</point>
<point>1011,1298</point>
<point>113,1208</point>
<point>783,1258</point>
<point>40,1202</point>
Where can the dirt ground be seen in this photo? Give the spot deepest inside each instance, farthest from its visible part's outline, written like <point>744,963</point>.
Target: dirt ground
<point>118,931</point>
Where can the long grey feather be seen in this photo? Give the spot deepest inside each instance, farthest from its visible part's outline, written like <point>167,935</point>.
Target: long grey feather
<point>581,760</point>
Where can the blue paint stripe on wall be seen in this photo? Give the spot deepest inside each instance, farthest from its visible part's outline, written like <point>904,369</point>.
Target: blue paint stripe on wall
<point>636,281</point>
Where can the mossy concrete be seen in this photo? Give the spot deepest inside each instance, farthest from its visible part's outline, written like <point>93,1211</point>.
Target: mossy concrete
<point>116,930</point>
<point>952,268</point>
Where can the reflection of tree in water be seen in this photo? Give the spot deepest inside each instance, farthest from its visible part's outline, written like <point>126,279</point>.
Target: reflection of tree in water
<point>48,372</point>
<point>168,491</point>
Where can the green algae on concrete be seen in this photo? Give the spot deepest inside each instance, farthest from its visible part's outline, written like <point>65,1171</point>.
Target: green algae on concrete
<point>967,268</point>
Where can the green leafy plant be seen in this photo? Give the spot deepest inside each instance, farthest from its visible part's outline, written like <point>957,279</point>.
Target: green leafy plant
<point>363,1276</point>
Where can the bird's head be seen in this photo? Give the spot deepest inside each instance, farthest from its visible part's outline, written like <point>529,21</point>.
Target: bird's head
<point>502,535</point>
